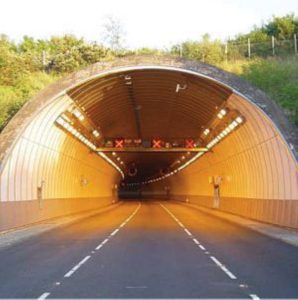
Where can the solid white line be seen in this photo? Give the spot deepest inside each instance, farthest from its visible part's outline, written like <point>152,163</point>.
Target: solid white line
<point>115,231</point>
<point>44,296</point>
<point>219,264</point>
<point>76,267</point>
<point>254,297</point>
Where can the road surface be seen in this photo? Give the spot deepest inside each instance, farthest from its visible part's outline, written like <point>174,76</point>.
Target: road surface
<point>150,249</point>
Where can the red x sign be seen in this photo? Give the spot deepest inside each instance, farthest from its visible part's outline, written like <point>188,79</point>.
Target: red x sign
<point>189,144</point>
<point>156,143</point>
<point>119,143</point>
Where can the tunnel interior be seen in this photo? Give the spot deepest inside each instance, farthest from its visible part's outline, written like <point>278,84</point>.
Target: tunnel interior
<point>147,131</point>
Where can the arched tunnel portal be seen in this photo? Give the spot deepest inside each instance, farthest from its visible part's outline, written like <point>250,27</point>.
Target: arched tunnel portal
<point>162,127</point>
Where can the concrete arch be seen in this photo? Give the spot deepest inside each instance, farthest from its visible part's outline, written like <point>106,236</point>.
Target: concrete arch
<point>47,172</point>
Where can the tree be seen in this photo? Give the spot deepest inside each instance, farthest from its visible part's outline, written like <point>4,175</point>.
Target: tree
<point>113,34</point>
<point>282,27</point>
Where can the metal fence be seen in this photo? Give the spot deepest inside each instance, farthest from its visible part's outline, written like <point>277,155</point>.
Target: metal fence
<point>271,47</point>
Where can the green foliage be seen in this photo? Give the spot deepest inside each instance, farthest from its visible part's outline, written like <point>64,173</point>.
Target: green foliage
<point>27,67</point>
<point>12,98</point>
<point>205,50</point>
<point>282,27</point>
<point>278,78</point>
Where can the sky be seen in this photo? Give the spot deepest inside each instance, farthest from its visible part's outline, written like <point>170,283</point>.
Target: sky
<point>147,23</point>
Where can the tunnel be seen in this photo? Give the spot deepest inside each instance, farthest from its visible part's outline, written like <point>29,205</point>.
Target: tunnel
<point>148,128</point>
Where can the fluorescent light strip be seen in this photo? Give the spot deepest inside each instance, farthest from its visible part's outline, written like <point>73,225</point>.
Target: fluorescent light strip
<point>62,122</point>
<point>235,123</point>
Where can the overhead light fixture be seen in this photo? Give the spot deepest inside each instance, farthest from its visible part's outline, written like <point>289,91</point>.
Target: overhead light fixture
<point>222,113</point>
<point>206,131</point>
<point>180,87</point>
<point>114,153</point>
<point>95,133</point>
<point>78,114</point>
<point>239,120</point>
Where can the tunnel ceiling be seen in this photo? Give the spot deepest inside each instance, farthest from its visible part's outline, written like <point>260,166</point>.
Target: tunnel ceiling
<point>150,103</point>
<point>145,97</point>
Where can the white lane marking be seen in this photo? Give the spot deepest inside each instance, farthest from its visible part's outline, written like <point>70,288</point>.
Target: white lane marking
<point>104,241</point>
<point>196,241</point>
<point>99,246</point>
<point>219,264</point>
<point>44,296</point>
<point>202,247</point>
<point>254,297</point>
<point>115,231</point>
<point>76,267</point>
<point>187,232</point>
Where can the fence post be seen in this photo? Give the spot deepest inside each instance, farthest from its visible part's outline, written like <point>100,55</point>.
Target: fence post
<point>180,50</point>
<point>44,58</point>
<point>226,51</point>
<point>248,47</point>
<point>295,43</point>
<point>273,45</point>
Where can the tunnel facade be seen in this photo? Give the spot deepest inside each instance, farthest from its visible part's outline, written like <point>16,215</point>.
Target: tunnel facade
<point>52,154</point>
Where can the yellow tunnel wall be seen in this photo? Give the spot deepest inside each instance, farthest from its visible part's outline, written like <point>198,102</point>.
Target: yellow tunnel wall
<point>72,179</point>
<point>259,174</point>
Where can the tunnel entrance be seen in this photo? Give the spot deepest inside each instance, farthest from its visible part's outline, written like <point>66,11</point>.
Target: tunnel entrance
<point>151,127</point>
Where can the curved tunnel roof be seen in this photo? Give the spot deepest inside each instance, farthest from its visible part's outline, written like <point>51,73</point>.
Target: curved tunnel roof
<point>49,151</point>
<point>146,98</point>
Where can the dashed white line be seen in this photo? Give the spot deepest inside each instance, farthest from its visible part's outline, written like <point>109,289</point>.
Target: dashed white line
<point>254,297</point>
<point>115,231</point>
<point>225,269</point>
<point>187,231</point>
<point>76,267</point>
<point>44,296</point>
<point>99,246</point>
<point>196,241</point>
<point>202,247</point>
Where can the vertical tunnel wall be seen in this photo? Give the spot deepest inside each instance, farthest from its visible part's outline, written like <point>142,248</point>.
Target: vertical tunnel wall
<point>259,174</point>
<point>69,177</point>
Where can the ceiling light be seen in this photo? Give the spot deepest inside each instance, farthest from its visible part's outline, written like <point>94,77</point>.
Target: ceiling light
<point>222,113</point>
<point>206,131</point>
<point>78,115</point>
<point>95,133</point>
<point>239,119</point>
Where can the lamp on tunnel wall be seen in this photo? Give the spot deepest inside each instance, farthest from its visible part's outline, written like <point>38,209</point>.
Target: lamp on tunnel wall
<point>39,194</point>
<point>132,170</point>
<point>83,181</point>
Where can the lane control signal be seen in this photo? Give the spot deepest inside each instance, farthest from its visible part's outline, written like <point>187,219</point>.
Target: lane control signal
<point>189,143</point>
<point>156,143</point>
<point>119,143</point>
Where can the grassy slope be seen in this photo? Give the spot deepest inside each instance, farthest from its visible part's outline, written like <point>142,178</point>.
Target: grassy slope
<point>278,78</point>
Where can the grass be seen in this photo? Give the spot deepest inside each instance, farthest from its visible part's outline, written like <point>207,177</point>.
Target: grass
<point>12,98</point>
<point>278,78</point>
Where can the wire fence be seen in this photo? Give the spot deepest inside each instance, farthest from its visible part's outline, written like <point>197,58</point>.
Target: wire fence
<point>271,47</point>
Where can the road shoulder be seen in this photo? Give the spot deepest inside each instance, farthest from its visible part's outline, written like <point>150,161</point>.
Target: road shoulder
<point>286,235</point>
<point>17,235</point>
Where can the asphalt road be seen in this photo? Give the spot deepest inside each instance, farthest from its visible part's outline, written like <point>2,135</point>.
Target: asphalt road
<point>150,250</point>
